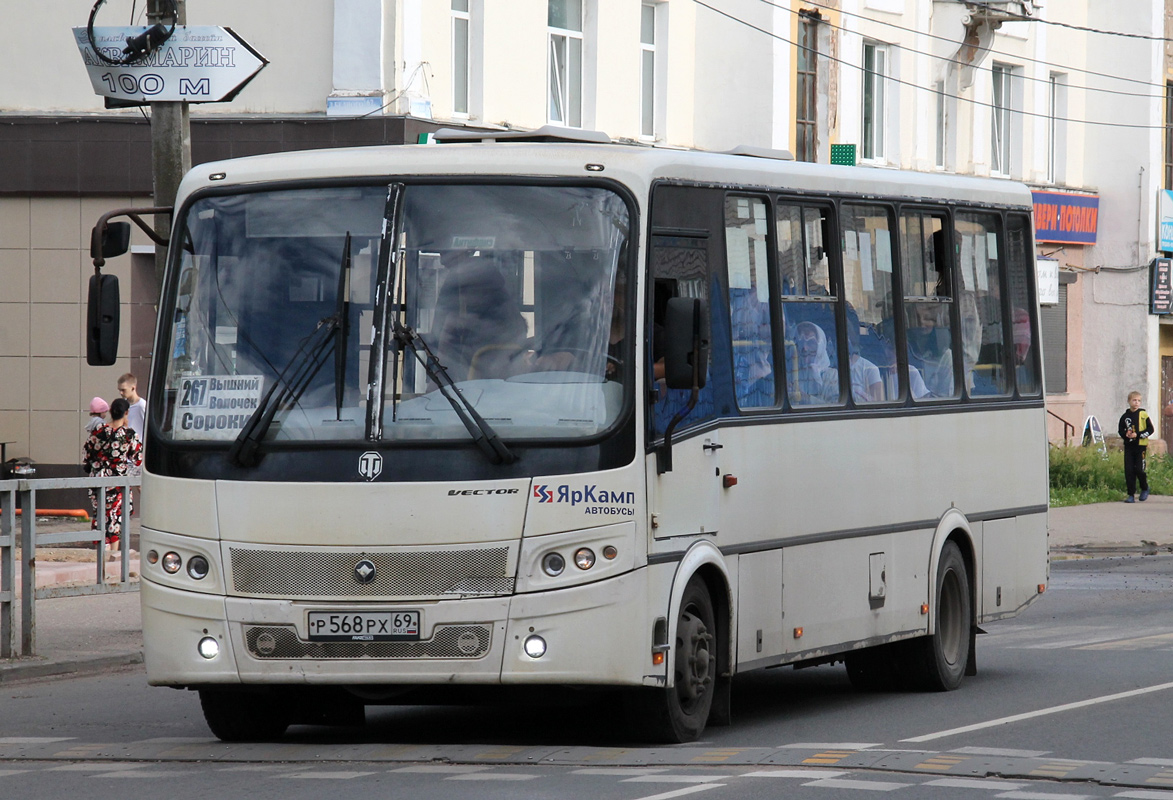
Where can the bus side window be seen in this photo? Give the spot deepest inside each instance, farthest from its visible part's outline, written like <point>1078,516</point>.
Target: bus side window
<point>928,299</point>
<point>871,307</point>
<point>680,268</point>
<point>749,301</point>
<point>1018,265</point>
<point>983,352</point>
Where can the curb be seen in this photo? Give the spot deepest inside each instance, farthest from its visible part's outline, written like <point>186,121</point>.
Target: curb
<point>23,670</point>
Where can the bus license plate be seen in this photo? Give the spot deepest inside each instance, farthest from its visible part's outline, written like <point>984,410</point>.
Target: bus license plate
<point>364,626</point>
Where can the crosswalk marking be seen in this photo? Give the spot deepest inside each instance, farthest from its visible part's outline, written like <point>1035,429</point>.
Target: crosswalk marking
<point>676,778</point>
<point>874,786</point>
<point>682,792</point>
<point>973,783</point>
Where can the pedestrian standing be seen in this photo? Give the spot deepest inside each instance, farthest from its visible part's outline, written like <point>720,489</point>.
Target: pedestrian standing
<point>98,410</point>
<point>137,416</point>
<point>1135,430</point>
<point>111,450</point>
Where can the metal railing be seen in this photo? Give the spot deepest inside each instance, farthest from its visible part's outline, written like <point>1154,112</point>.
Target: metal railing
<point>24,493</point>
<point>1066,426</point>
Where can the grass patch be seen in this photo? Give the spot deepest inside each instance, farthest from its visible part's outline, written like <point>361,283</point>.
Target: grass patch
<point>1081,475</point>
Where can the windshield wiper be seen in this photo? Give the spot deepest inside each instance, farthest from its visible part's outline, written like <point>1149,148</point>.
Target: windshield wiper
<point>482,433</point>
<point>342,310</point>
<point>306,362</point>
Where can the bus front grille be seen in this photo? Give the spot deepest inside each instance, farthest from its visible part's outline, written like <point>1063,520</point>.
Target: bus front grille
<point>297,574</point>
<point>451,641</point>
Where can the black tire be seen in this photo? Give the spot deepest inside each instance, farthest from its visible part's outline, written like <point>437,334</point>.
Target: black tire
<point>938,662</point>
<point>243,716</point>
<point>679,713</point>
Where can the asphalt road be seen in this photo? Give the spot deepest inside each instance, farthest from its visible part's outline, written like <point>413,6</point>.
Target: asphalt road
<point>1072,699</point>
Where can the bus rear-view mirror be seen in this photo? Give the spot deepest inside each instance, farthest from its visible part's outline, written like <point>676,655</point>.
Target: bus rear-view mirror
<point>102,320</point>
<point>109,240</point>
<point>686,353</point>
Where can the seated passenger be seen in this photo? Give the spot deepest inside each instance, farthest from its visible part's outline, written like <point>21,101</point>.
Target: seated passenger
<point>813,381</point>
<point>930,348</point>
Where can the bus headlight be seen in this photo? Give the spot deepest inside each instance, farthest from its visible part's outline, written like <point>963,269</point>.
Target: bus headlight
<point>584,558</point>
<point>209,648</point>
<point>535,646</point>
<point>172,562</point>
<point>553,564</point>
<point>197,567</point>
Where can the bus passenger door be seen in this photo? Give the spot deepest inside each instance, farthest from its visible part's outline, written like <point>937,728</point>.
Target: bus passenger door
<point>686,499</point>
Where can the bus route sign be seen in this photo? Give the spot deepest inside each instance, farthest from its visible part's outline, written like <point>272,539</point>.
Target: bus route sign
<point>198,64</point>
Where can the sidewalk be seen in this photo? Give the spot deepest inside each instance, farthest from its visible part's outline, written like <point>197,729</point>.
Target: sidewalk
<point>86,635</point>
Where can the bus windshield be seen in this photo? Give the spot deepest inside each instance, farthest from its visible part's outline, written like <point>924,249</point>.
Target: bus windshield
<point>290,308</point>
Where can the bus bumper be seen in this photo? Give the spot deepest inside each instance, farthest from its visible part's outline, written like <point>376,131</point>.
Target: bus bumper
<point>593,634</point>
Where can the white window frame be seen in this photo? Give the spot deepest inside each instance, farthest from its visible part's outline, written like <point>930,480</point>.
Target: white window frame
<point>565,88</point>
<point>648,67</point>
<point>1057,128</point>
<point>873,92</point>
<point>941,160</point>
<point>461,47</point>
<point>1002,132</point>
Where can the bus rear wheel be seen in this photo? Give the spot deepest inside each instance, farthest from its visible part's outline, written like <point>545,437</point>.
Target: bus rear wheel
<point>235,716</point>
<point>938,661</point>
<point>679,713</point>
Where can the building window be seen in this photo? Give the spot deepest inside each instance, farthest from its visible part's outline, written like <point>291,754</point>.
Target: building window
<point>1000,132</point>
<point>460,56</point>
<point>942,123</point>
<point>1057,129</point>
<point>647,71</point>
<point>875,65</point>
<point>564,20</point>
<point>1169,135</point>
<point>806,101</point>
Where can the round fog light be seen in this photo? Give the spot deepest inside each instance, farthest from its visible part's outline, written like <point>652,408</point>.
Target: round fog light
<point>535,646</point>
<point>209,648</point>
<point>153,557</point>
<point>609,552</point>
<point>197,567</point>
<point>172,562</point>
<point>584,558</point>
<point>553,564</point>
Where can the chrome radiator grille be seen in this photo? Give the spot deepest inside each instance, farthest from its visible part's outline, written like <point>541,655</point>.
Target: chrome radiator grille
<point>411,573</point>
<point>453,641</point>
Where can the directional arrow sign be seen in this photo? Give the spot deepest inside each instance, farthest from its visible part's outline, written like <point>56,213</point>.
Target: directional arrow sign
<point>198,64</point>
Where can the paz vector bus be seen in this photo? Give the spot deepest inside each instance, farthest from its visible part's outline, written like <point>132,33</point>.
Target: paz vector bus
<point>537,409</point>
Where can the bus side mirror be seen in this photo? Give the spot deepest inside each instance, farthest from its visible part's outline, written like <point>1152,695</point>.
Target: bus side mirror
<point>102,320</point>
<point>686,355</point>
<point>109,239</point>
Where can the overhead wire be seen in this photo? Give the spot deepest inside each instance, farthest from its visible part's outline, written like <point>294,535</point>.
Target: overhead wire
<point>939,92</point>
<point>1026,18</point>
<point>1017,57</point>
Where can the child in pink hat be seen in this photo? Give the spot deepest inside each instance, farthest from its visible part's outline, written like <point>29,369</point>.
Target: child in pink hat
<point>98,409</point>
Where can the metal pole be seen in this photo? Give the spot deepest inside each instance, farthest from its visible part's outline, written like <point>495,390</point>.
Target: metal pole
<point>170,141</point>
<point>28,571</point>
<point>7,574</point>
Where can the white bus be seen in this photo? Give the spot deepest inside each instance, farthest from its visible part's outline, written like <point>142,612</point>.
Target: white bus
<point>572,413</point>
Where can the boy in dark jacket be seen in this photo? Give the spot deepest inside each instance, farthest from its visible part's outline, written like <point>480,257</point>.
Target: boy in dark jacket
<point>1135,430</point>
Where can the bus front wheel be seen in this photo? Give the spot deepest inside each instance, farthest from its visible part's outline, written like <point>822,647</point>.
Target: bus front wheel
<point>235,716</point>
<point>679,713</point>
<point>939,660</point>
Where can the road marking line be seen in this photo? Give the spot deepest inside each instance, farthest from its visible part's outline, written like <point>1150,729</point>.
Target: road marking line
<point>794,773</point>
<point>676,778</point>
<point>117,766</point>
<point>1152,762</point>
<point>34,739</point>
<point>444,769</point>
<point>4,772</point>
<point>682,792</point>
<point>875,786</point>
<point>1044,796</point>
<point>629,771</point>
<point>1002,751</point>
<point>1146,794</point>
<point>1042,712</point>
<point>973,783</point>
<point>335,776</point>
<point>828,746</point>
<point>492,776</point>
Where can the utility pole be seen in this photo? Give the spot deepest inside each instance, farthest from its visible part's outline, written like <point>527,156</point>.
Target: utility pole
<point>170,138</point>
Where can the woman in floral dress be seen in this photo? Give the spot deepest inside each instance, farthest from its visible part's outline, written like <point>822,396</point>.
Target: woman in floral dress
<point>112,450</point>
